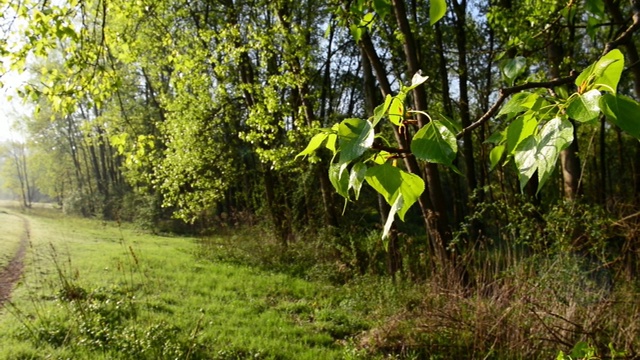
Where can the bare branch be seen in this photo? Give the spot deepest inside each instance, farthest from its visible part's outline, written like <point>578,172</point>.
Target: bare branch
<point>506,92</point>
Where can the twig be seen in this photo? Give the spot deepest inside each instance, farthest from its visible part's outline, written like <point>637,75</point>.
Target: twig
<point>506,92</point>
<point>625,36</point>
<point>390,149</point>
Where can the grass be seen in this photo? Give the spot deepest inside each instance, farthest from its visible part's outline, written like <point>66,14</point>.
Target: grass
<point>102,290</point>
<point>11,229</point>
<point>98,290</point>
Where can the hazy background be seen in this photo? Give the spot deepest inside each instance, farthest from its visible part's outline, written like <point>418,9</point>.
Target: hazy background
<point>10,108</point>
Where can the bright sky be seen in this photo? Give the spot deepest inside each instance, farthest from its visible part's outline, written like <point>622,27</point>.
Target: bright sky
<point>10,109</point>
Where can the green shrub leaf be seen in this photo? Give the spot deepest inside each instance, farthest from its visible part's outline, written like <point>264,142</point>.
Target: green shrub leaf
<point>356,136</point>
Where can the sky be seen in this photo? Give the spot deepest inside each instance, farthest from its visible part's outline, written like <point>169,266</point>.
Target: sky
<point>10,109</point>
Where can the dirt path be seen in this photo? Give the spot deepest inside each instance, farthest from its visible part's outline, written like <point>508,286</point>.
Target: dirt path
<point>11,273</point>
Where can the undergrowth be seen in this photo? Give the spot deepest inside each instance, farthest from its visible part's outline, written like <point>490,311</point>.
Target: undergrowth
<point>542,284</point>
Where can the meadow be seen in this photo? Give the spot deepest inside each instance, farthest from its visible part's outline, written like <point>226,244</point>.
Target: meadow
<point>102,290</point>
<point>94,289</point>
<point>11,230</point>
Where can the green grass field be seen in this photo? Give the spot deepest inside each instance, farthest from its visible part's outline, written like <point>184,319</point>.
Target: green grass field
<point>97,290</point>
<point>11,229</point>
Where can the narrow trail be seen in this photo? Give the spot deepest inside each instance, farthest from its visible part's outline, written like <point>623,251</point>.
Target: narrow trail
<point>10,274</point>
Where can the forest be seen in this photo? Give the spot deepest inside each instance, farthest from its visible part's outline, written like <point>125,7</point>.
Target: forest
<point>487,149</point>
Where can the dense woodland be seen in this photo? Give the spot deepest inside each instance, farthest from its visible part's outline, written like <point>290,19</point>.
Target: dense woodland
<point>316,120</point>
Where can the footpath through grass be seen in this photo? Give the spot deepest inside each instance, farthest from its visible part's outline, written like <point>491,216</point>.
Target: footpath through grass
<point>98,290</point>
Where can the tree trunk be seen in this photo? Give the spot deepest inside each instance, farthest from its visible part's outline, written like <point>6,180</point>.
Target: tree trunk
<point>569,161</point>
<point>460,9</point>
<point>435,208</point>
<point>394,257</point>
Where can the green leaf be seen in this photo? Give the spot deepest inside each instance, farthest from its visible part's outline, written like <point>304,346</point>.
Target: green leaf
<point>396,109</point>
<point>356,32</point>
<point>397,205</point>
<point>585,107</point>
<point>367,19</point>
<point>314,144</point>
<point>596,7</point>
<point>496,138</point>
<point>385,179</point>
<point>495,155</point>
<point>515,104</point>
<point>512,68</point>
<point>356,178</point>
<point>541,153</point>
<point>623,112</point>
<point>450,124</point>
<point>555,136</point>
<point>381,110</point>
<point>380,157</point>
<point>604,74</point>
<point>356,136</point>
<point>411,188</point>
<point>525,159</point>
<point>332,139</point>
<point>608,71</point>
<point>339,180</point>
<point>390,182</point>
<point>437,9</point>
<point>519,129</point>
<point>382,7</point>
<point>435,143</point>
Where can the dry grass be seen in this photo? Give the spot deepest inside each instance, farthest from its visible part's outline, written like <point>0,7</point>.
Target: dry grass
<point>534,311</point>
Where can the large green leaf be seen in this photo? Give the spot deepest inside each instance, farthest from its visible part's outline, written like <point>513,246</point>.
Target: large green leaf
<point>381,110</point>
<point>497,137</point>
<point>435,143</point>
<point>516,104</point>
<point>525,159</point>
<point>390,182</point>
<point>339,180</point>
<point>332,139</point>
<point>555,136</point>
<point>314,144</point>
<point>624,112</point>
<point>356,136</point>
<point>519,129</point>
<point>608,71</point>
<point>396,109</point>
<point>604,74</point>
<point>541,152</point>
<point>495,155</point>
<point>437,9</point>
<point>512,68</point>
<point>585,107</point>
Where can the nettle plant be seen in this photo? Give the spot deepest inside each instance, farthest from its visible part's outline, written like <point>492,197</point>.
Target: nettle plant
<point>538,129</point>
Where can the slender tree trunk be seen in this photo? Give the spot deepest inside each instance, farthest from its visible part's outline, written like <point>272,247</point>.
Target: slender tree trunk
<point>460,9</point>
<point>394,257</point>
<point>569,161</point>
<point>436,209</point>
<point>436,247</point>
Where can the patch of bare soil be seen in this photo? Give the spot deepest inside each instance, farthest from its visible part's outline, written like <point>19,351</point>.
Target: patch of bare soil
<point>11,273</point>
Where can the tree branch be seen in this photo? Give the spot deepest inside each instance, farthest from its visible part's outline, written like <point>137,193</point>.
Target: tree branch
<point>506,92</point>
<point>389,149</point>
<point>625,36</point>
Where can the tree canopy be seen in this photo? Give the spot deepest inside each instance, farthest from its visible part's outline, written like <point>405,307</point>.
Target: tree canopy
<point>195,109</point>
